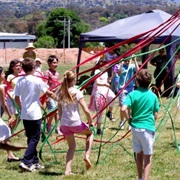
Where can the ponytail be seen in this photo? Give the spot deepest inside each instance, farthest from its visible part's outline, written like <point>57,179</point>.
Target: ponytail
<point>64,95</point>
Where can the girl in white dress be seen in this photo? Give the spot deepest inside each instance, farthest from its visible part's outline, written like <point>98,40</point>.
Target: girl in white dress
<point>5,131</point>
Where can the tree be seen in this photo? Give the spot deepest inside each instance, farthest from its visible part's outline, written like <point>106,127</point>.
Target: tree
<point>45,42</point>
<point>57,24</point>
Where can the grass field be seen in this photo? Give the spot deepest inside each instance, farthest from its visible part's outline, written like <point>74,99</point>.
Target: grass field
<point>116,159</point>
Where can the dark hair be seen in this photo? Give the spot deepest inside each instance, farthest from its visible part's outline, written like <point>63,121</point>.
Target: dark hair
<point>144,78</point>
<point>28,64</point>
<point>51,59</point>
<point>1,69</point>
<point>11,65</point>
<point>101,60</point>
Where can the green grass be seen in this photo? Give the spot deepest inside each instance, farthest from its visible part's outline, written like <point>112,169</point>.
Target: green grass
<point>116,160</point>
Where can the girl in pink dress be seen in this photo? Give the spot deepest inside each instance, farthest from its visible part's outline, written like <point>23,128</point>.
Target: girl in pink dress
<point>101,95</point>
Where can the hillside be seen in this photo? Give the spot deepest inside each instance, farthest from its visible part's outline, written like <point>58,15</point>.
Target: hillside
<point>49,4</point>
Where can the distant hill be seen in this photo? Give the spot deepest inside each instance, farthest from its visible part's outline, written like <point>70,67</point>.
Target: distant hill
<point>49,4</point>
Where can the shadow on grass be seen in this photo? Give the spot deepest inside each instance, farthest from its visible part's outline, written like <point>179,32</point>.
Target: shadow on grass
<point>47,173</point>
<point>114,129</point>
<point>176,128</point>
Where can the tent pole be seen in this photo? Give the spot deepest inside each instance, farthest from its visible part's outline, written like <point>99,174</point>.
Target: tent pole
<point>79,56</point>
<point>144,57</point>
<point>170,80</point>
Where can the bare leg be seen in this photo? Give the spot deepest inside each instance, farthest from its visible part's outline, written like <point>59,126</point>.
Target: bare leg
<point>15,123</point>
<point>139,164</point>
<point>147,166</point>
<point>9,152</point>
<point>70,153</point>
<point>89,142</point>
<point>110,108</point>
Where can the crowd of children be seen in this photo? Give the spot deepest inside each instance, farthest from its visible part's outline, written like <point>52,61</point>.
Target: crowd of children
<point>25,82</point>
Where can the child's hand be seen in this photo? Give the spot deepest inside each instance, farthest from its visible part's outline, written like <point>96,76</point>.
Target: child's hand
<point>90,123</point>
<point>10,120</point>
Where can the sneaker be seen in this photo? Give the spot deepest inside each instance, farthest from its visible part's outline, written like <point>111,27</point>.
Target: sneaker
<point>39,166</point>
<point>110,116</point>
<point>58,131</point>
<point>24,167</point>
<point>121,125</point>
<point>129,127</point>
<point>99,132</point>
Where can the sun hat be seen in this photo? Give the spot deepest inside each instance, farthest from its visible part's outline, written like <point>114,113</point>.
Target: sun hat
<point>30,45</point>
<point>38,59</point>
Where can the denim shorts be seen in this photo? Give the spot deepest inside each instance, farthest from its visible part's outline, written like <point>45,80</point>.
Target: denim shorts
<point>51,104</point>
<point>143,140</point>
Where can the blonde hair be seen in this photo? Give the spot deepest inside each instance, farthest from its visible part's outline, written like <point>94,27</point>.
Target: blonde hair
<point>64,96</point>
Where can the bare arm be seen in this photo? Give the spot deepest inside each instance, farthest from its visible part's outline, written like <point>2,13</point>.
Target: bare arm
<point>86,110</point>
<point>99,83</point>
<point>156,115</point>
<point>120,69</point>
<point>18,102</point>
<point>4,105</point>
<point>136,64</point>
<point>152,62</point>
<point>59,110</point>
<point>51,95</point>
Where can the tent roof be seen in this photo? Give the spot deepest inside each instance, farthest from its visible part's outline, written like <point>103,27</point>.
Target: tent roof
<point>13,36</point>
<point>129,27</point>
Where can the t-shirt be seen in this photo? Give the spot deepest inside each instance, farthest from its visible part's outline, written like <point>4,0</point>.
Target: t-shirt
<point>31,55</point>
<point>127,74</point>
<point>160,62</point>
<point>52,78</point>
<point>143,104</point>
<point>70,112</point>
<point>12,79</point>
<point>30,88</point>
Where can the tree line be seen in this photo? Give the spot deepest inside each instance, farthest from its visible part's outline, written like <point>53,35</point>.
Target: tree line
<point>61,27</point>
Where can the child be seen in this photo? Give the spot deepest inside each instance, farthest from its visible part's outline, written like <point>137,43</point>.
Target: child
<point>115,79</point>
<point>38,70</point>
<point>52,79</point>
<point>12,76</point>
<point>144,107</point>
<point>178,86</point>
<point>29,89</point>
<point>101,95</point>
<point>69,98</point>
<point>5,132</point>
<point>126,72</point>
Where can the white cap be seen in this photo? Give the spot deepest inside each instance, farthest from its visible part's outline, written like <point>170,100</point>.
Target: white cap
<point>38,59</point>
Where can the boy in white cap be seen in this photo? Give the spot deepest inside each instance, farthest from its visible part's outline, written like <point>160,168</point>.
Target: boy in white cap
<point>37,67</point>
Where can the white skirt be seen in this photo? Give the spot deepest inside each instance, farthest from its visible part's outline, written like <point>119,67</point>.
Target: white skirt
<point>5,131</point>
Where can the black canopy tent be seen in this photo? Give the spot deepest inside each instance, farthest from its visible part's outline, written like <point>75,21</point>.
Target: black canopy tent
<point>127,28</point>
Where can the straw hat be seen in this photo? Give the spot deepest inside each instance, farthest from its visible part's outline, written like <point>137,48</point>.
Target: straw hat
<point>38,59</point>
<point>30,45</point>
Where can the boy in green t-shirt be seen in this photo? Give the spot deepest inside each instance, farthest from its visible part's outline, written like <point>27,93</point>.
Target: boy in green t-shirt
<point>141,109</point>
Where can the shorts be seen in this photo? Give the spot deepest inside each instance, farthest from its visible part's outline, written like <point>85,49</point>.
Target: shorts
<point>51,104</point>
<point>70,130</point>
<point>143,140</point>
<point>123,95</point>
